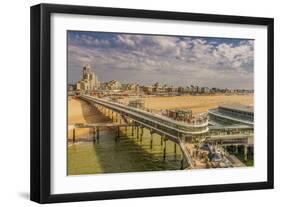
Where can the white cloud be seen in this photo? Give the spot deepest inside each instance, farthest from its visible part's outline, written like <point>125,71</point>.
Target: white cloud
<point>173,58</point>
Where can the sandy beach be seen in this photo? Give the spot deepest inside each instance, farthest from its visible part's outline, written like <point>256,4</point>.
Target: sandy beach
<point>80,111</point>
<point>198,104</point>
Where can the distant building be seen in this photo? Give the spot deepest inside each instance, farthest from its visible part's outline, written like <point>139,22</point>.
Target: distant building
<point>187,89</point>
<point>132,87</point>
<point>147,89</point>
<point>194,89</point>
<point>205,90</point>
<point>171,89</point>
<point>113,85</point>
<point>181,89</point>
<point>89,80</point>
<point>70,88</point>
<point>155,87</point>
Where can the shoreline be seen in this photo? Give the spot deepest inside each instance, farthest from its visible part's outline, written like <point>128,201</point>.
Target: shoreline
<point>80,111</point>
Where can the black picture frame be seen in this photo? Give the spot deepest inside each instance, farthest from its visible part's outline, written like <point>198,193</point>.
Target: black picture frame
<point>41,98</point>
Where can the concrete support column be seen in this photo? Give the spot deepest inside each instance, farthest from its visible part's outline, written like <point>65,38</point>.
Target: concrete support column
<point>132,130</point>
<point>117,133</point>
<point>73,135</point>
<point>141,135</point>
<point>182,161</point>
<point>98,133</point>
<point>94,135</point>
<point>245,152</point>
<point>151,140</point>
<point>164,150</point>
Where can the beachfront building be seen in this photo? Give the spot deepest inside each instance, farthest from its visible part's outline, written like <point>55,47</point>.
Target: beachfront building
<point>233,114</point>
<point>194,89</point>
<point>171,89</point>
<point>181,89</point>
<point>187,89</point>
<point>131,87</point>
<point>205,90</point>
<point>156,87</point>
<point>89,80</point>
<point>147,89</point>
<point>114,85</point>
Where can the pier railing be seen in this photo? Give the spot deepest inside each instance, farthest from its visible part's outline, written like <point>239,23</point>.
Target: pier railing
<point>157,120</point>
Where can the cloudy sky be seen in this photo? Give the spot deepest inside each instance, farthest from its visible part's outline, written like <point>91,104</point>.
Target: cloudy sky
<point>172,60</point>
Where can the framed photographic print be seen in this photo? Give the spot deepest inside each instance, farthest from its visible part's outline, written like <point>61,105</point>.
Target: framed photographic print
<point>133,103</point>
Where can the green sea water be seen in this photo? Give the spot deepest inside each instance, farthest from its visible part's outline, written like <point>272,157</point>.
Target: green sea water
<point>127,154</point>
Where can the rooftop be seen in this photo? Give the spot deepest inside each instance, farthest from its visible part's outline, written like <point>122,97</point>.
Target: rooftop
<point>239,107</point>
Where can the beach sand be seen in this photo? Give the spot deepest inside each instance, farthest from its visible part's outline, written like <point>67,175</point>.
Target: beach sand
<point>198,104</point>
<point>80,111</point>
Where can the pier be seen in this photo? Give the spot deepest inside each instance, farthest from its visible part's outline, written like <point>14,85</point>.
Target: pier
<point>169,129</point>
